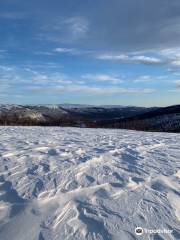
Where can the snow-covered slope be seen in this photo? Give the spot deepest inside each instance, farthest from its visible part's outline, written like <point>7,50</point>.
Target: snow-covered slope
<point>78,184</point>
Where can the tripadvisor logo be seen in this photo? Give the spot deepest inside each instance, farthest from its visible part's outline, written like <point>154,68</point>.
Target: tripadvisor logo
<point>139,231</point>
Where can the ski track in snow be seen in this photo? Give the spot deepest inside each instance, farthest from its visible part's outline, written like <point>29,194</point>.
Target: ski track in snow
<point>94,184</point>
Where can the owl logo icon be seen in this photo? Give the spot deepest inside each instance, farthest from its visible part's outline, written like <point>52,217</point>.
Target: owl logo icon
<point>139,231</point>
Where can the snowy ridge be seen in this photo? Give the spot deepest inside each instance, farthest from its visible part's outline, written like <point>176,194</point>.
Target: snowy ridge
<point>69,183</point>
<point>165,119</point>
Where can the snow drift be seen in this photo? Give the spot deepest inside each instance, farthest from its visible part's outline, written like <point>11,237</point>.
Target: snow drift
<point>77,184</point>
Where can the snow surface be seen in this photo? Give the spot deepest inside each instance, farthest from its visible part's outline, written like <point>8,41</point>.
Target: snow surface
<point>77,184</point>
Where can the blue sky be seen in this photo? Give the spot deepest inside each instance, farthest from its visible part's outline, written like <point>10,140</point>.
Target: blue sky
<point>92,52</point>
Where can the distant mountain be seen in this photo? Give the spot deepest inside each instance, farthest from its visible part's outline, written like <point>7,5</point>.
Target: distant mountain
<point>165,119</point>
<point>73,106</point>
<point>137,118</point>
<point>70,106</point>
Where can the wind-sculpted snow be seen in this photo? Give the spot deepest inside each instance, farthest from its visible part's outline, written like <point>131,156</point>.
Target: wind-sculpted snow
<point>88,184</point>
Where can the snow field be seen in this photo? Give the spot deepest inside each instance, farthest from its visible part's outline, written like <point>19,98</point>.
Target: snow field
<point>94,184</point>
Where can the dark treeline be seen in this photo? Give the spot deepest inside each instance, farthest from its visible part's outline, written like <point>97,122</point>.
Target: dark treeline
<point>168,123</point>
<point>14,119</point>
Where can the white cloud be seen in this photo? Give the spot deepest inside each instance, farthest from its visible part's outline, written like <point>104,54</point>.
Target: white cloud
<point>120,57</point>
<point>72,51</point>
<point>102,78</point>
<point>64,50</point>
<point>143,79</point>
<point>145,59</point>
<point>131,58</point>
<point>171,52</point>
<point>167,57</point>
<point>172,56</point>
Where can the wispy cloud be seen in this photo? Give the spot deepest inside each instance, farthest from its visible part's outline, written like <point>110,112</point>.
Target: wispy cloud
<point>137,59</point>
<point>19,77</point>
<point>172,56</point>
<point>78,26</point>
<point>89,90</point>
<point>50,79</point>
<point>102,78</point>
<point>168,57</point>
<point>73,51</point>
<point>64,30</point>
<point>151,79</point>
<point>65,50</point>
<point>143,79</point>
<point>70,51</point>
<point>46,53</point>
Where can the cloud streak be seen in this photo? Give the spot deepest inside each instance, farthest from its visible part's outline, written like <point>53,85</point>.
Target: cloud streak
<point>137,59</point>
<point>102,78</point>
<point>89,90</point>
